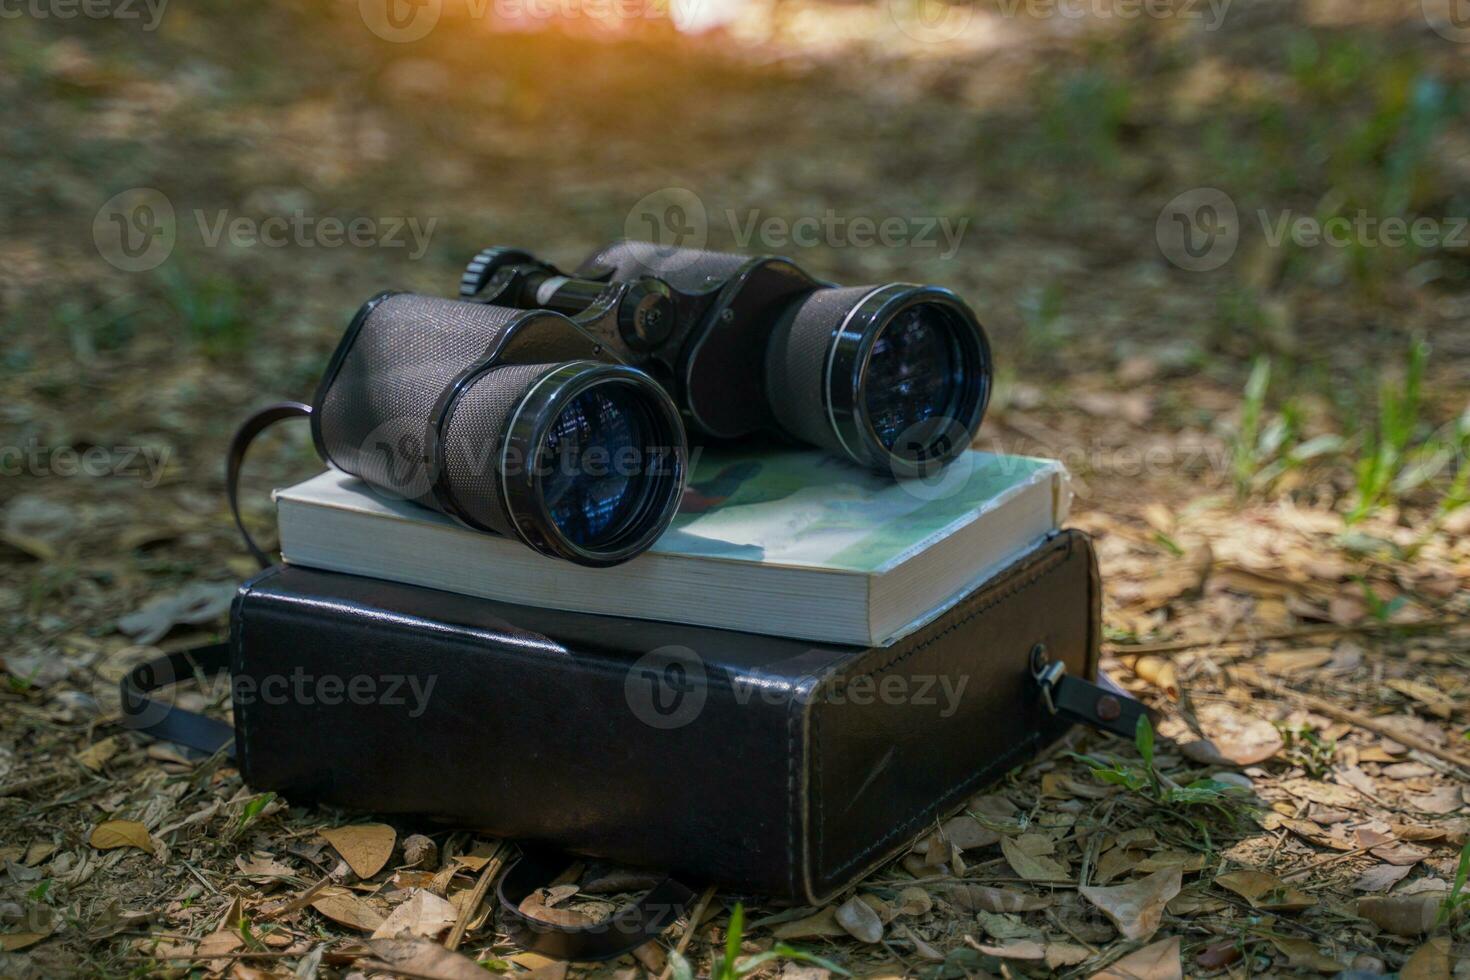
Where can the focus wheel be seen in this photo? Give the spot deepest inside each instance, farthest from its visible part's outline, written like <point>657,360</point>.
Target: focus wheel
<point>484,265</point>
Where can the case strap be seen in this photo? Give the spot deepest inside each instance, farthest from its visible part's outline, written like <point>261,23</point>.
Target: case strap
<point>169,722</point>
<point>253,426</point>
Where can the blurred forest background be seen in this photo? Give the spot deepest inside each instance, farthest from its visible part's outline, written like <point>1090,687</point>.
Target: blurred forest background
<point>1222,255</point>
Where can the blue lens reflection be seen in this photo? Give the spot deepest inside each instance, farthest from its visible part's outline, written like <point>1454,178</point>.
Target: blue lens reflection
<point>912,374</point>
<point>592,465</point>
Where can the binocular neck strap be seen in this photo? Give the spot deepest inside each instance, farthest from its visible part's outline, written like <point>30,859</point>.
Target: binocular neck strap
<point>253,426</point>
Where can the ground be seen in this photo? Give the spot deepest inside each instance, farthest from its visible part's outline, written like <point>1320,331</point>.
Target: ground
<point>1265,412</point>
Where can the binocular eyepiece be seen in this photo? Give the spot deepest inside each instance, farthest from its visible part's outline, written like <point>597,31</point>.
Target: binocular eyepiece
<point>551,408</point>
<point>895,377</point>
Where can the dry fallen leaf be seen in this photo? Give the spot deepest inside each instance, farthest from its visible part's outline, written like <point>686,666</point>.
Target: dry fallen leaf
<point>96,755</point>
<point>1032,867</point>
<point>1013,949</point>
<point>1170,580</point>
<point>121,833</point>
<point>1217,956</point>
<point>1306,829</point>
<point>1411,915</point>
<point>922,948</point>
<point>967,833</point>
<point>341,906</point>
<point>860,921</point>
<point>1303,954</point>
<point>423,959</point>
<point>1326,794</point>
<point>1387,848</point>
<point>1186,861</point>
<point>1265,891</point>
<point>1065,954</point>
<point>978,898</point>
<point>10,942</point>
<point>538,906</point>
<point>1429,962</point>
<point>481,855</point>
<point>1295,661</point>
<point>1060,786</point>
<point>816,926</point>
<point>1136,908</point>
<point>1003,925</point>
<point>1116,862</point>
<point>1157,961</point>
<point>263,866</point>
<point>1442,799</point>
<point>1381,877</point>
<point>219,944</point>
<point>1431,697</point>
<point>423,914</point>
<point>194,604</point>
<point>365,847</point>
<point>1231,737</point>
<point>914,901</point>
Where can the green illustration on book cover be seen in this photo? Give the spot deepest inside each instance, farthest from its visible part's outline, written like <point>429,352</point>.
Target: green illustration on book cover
<point>807,508</point>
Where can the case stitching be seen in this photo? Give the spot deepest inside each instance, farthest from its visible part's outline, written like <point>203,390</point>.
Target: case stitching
<point>241,722</point>
<point>793,815</point>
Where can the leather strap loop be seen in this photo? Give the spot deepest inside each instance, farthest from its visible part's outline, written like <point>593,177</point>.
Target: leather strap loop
<point>239,444</point>
<point>1104,706</point>
<point>628,928</point>
<point>169,722</point>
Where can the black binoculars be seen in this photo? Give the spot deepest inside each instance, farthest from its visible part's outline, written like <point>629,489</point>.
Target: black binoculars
<point>552,408</point>
<point>894,377</point>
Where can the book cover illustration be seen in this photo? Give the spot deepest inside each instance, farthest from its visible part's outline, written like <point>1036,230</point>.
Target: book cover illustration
<point>811,509</point>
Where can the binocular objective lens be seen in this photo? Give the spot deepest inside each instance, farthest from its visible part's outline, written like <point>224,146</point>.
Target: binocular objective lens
<point>913,372</point>
<point>593,463</point>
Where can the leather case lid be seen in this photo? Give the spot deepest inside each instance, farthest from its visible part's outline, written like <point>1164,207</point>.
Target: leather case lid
<point>721,756</point>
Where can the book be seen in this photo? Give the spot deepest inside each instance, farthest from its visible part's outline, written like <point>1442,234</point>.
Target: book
<point>788,542</point>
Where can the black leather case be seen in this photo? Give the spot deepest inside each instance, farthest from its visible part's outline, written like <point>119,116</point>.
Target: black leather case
<point>757,763</point>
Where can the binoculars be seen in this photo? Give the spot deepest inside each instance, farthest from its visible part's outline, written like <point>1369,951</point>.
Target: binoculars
<point>553,407</point>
